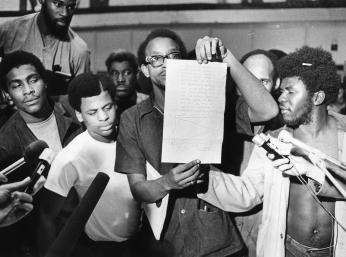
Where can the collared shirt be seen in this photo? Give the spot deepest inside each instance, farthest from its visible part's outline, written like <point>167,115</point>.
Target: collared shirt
<point>71,55</point>
<point>188,231</point>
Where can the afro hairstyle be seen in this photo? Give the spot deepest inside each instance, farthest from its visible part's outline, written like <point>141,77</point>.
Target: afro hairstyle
<point>315,68</point>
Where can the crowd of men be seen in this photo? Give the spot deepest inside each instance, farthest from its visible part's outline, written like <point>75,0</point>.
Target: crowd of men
<point>250,205</point>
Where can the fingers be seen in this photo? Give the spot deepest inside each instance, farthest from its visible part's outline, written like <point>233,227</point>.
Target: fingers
<point>282,164</point>
<point>3,178</point>
<point>214,45</point>
<point>201,51</point>
<point>190,180</point>
<point>21,197</point>
<point>334,113</point>
<point>197,51</point>
<point>182,175</point>
<point>24,208</point>
<point>16,185</point>
<point>182,168</point>
<point>207,48</point>
<point>39,184</point>
<point>223,50</point>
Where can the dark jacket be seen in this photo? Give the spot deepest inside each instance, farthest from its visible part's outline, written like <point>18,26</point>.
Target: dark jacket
<point>20,239</point>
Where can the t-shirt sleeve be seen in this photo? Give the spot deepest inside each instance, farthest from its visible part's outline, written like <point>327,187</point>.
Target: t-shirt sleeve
<point>62,177</point>
<point>129,157</point>
<point>243,123</point>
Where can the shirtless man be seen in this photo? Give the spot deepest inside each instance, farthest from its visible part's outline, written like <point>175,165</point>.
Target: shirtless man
<point>293,223</point>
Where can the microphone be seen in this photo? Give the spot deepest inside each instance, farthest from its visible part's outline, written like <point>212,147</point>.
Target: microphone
<point>287,137</point>
<point>69,235</point>
<point>337,167</point>
<point>31,152</point>
<point>42,168</point>
<point>262,140</point>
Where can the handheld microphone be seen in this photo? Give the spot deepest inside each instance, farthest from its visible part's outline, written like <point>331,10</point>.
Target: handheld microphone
<point>31,152</point>
<point>69,235</point>
<point>43,166</point>
<point>339,168</point>
<point>287,137</point>
<point>262,140</point>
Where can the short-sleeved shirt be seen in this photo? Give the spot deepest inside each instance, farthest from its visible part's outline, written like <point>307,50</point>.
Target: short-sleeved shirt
<point>116,215</point>
<point>71,55</point>
<point>188,230</point>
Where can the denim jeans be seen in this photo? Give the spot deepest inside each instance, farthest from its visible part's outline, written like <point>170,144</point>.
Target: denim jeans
<point>296,249</point>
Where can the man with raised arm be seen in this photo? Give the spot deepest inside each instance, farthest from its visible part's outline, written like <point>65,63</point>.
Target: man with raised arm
<point>298,211</point>
<point>191,229</point>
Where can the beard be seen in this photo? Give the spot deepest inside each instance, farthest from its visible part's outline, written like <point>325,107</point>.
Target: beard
<point>57,30</point>
<point>303,117</point>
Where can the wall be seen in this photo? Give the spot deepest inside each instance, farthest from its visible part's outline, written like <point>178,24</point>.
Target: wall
<point>241,30</point>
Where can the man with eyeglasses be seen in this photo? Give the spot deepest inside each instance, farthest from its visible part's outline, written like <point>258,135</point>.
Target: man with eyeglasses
<point>192,228</point>
<point>122,67</point>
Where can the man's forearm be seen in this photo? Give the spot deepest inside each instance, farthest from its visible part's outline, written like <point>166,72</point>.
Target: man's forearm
<point>150,191</point>
<point>262,105</point>
<point>232,193</point>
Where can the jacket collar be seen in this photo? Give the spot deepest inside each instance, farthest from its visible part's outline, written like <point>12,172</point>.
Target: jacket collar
<point>64,124</point>
<point>147,106</point>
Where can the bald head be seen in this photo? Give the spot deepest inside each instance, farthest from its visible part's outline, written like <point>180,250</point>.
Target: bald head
<point>262,68</point>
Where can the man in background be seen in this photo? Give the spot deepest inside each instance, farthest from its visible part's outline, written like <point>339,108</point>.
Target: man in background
<point>122,67</point>
<point>48,35</point>
<point>262,64</point>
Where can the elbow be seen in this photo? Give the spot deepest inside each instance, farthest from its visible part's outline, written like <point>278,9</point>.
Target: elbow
<point>268,112</point>
<point>272,111</point>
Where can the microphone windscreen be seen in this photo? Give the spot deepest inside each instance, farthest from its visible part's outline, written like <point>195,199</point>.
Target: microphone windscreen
<point>69,235</point>
<point>285,136</point>
<point>33,150</point>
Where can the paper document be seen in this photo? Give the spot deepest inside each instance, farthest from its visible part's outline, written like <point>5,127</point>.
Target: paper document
<point>194,111</point>
<point>156,215</point>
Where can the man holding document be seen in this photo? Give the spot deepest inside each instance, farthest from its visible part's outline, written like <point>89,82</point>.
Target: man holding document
<point>192,227</point>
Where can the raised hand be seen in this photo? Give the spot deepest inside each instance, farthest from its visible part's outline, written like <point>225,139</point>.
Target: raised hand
<point>210,49</point>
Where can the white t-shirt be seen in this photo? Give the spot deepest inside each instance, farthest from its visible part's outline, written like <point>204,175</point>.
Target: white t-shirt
<point>116,215</point>
<point>47,131</point>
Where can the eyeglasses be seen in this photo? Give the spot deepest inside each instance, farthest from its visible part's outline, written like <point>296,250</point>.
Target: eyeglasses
<point>158,60</point>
